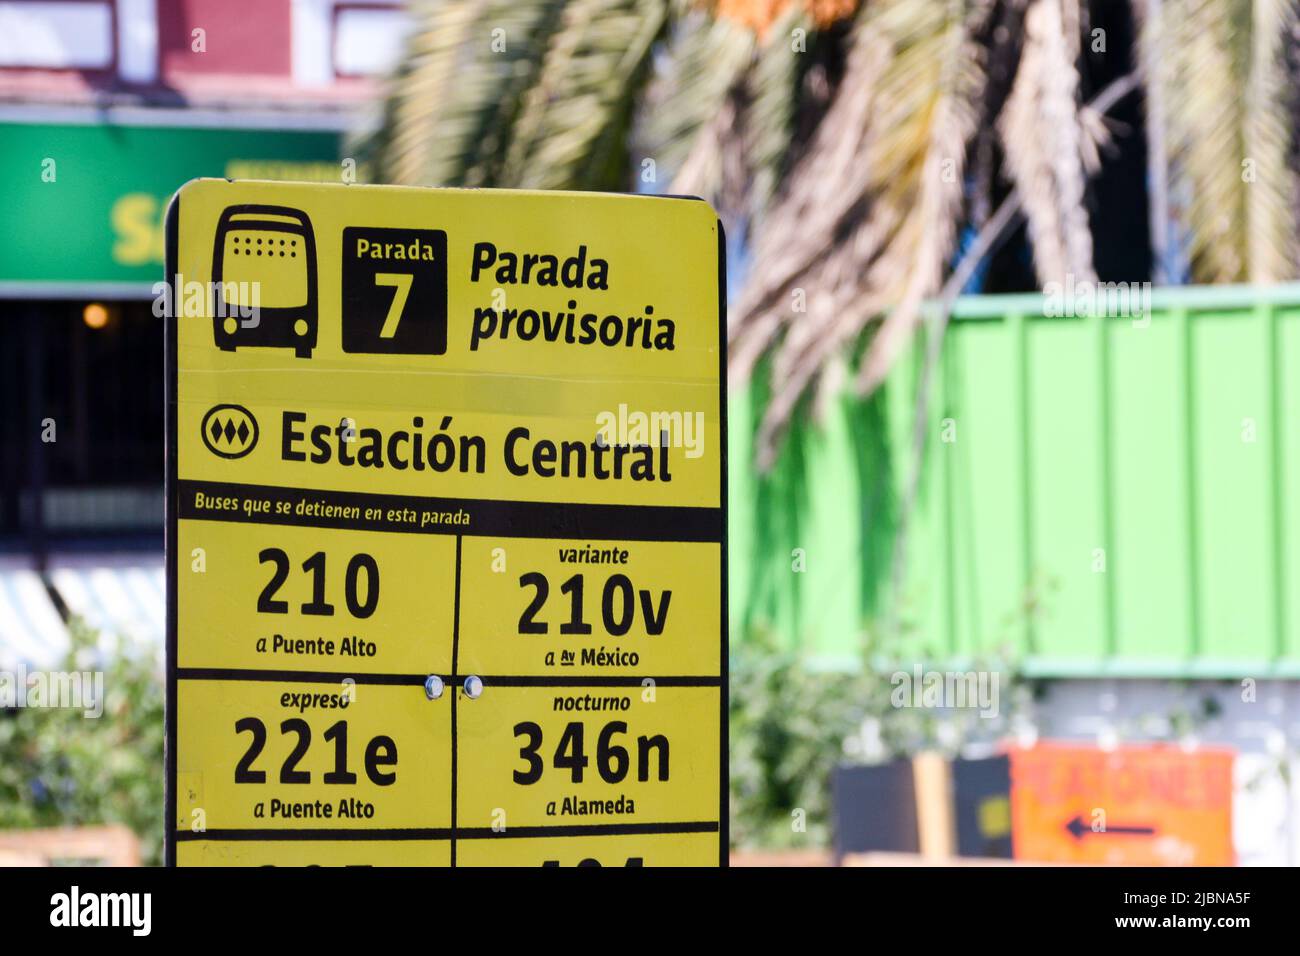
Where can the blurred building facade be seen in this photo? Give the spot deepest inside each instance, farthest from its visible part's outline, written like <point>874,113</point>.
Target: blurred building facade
<point>106,107</point>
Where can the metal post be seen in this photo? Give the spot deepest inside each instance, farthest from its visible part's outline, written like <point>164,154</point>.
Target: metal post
<point>36,458</point>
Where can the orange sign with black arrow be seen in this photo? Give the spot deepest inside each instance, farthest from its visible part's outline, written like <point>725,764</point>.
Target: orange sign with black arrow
<point>1136,805</point>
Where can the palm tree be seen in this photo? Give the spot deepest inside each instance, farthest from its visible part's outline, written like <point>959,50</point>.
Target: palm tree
<point>853,141</point>
<point>1224,70</point>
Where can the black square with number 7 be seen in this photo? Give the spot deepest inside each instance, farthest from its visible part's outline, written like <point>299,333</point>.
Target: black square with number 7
<point>394,290</point>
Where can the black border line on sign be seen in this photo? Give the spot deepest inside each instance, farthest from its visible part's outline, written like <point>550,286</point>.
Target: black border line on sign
<point>452,684</point>
<point>171,228</point>
<point>497,517</point>
<point>724,696</point>
<point>171,833</point>
<point>251,674</point>
<point>438,834</point>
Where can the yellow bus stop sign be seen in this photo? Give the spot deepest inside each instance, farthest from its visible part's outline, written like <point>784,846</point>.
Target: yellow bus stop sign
<point>445,531</point>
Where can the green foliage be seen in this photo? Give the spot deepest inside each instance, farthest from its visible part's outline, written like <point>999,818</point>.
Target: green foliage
<point>790,725</point>
<point>787,726</point>
<point>59,767</point>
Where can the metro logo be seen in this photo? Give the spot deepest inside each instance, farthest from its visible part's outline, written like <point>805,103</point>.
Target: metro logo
<point>229,431</point>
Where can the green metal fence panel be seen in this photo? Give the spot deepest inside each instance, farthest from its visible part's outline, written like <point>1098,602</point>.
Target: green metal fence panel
<point>1097,496</point>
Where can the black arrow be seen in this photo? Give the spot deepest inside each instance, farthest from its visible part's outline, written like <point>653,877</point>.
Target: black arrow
<point>1078,828</point>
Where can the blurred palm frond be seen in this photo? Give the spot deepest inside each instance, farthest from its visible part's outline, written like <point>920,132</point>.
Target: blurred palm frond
<point>484,83</point>
<point>689,120</point>
<point>864,229</point>
<point>772,92</point>
<point>720,111</point>
<point>1051,170</point>
<point>573,121</point>
<point>1228,104</point>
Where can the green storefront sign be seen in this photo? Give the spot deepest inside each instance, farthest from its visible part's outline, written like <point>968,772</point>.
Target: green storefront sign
<point>84,204</point>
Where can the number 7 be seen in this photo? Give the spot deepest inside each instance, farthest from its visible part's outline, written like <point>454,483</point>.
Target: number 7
<point>401,282</point>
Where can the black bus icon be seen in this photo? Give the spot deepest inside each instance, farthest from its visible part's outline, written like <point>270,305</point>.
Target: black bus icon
<point>264,279</point>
